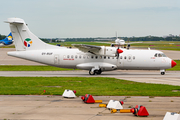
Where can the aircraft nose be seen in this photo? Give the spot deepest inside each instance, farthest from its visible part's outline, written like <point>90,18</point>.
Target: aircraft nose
<point>173,63</point>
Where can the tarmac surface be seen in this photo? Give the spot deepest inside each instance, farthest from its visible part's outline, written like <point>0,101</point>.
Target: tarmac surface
<point>36,107</point>
<point>27,107</point>
<point>171,77</point>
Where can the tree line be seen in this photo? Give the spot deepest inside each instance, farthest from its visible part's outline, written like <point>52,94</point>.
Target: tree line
<point>147,38</point>
<point>152,38</point>
<point>2,37</point>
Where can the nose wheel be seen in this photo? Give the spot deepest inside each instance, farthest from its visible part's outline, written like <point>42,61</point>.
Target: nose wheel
<point>162,72</point>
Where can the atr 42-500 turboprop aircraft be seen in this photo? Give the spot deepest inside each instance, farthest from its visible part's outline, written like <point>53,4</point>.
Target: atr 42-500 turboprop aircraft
<point>7,41</point>
<point>96,59</point>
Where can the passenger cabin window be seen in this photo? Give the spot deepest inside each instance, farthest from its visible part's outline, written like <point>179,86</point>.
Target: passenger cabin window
<point>124,57</point>
<point>84,56</point>
<point>67,56</point>
<point>120,57</point>
<point>104,57</point>
<point>80,57</point>
<point>76,56</point>
<point>71,56</point>
<point>133,57</point>
<point>100,57</point>
<point>92,56</point>
<point>96,57</point>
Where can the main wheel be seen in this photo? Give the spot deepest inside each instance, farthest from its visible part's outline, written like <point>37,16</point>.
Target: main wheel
<point>162,73</point>
<point>98,72</point>
<point>91,73</point>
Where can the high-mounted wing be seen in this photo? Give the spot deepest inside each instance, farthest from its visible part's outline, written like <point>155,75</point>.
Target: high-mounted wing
<point>99,50</point>
<point>88,48</point>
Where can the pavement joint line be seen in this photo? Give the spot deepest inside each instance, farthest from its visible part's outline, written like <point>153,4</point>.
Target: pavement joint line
<point>96,115</point>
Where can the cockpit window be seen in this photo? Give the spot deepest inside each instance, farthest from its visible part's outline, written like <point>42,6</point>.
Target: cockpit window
<point>164,55</point>
<point>159,55</point>
<point>155,55</point>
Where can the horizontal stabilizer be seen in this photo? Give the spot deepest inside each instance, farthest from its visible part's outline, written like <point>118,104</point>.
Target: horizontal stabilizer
<point>15,21</point>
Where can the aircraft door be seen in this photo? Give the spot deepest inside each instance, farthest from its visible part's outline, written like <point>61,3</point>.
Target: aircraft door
<point>129,58</point>
<point>56,59</point>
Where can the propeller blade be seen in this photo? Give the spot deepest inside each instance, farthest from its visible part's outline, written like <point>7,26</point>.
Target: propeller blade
<point>118,52</point>
<point>117,55</point>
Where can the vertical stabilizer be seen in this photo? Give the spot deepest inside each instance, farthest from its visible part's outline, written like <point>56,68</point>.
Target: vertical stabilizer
<point>9,37</point>
<point>24,39</point>
<point>7,41</point>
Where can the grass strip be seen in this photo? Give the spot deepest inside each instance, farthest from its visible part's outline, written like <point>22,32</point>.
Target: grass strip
<point>31,68</point>
<point>83,85</point>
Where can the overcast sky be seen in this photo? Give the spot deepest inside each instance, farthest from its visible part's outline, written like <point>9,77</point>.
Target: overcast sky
<point>94,18</point>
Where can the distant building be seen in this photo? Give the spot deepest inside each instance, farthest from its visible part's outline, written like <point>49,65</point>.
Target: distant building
<point>171,35</point>
<point>60,40</point>
<point>165,36</point>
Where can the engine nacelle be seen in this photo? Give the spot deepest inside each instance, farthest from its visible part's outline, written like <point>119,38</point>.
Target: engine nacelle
<point>101,65</point>
<point>107,51</point>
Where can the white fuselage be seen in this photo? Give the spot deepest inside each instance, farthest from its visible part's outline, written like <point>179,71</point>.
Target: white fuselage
<point>87,57</point>
<point>73,58</point>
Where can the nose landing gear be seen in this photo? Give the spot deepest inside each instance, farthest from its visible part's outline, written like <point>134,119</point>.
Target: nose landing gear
<point>162,72</point>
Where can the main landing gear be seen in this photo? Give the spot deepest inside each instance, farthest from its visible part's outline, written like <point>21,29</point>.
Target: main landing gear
<point>93,72</point>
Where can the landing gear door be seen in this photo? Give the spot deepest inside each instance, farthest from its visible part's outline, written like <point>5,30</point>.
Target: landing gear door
<point>56,59</point>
